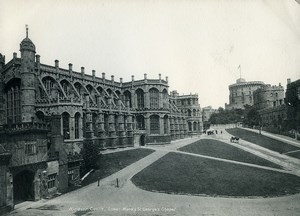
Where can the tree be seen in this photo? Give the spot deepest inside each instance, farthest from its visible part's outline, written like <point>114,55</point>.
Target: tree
<point>252,116</point>
<point>90,154</point>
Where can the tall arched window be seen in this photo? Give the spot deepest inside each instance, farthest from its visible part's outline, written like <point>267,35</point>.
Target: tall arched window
<point>189,112</point>
<point>140,98</point>
<point>154,98</point>
<point>13,101</point>
<point>140,120</point>
<point>194,126</point>
<point>77,121</point>
<point>66,125</point>
<point>127,96</point>
<point>154,124</point>
<point>190,126</point>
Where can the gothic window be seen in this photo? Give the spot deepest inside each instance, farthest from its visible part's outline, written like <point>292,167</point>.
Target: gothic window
<point>140,122</point>
<point>190,126</point>
<point>127,96</point>
<point>13,101</point>
<point>140,98</point>
<point>154,124</point>
<point>154,98</point>
<point>66,125</point>
<point>77,120</point>
<point>189,112</point>
<point>195,126</point>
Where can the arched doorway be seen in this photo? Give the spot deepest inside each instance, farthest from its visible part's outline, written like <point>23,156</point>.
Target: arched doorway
<point>142,140</point>
<point>23,183</point>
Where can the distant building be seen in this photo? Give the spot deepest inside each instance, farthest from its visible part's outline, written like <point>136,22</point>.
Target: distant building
<point>241,93</point>
<point>269,100</point>
<point>292,99</point>
<point>190,107</point>
<point>207,112</point>
<point>268,96</point>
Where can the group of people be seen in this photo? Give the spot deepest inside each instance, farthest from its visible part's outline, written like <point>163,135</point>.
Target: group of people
<point>211,132</point>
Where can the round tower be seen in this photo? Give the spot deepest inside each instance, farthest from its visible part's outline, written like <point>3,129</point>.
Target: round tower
<point>28,78</point>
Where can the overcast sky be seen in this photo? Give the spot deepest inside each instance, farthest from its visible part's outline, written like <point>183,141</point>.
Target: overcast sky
<point>197,44</point>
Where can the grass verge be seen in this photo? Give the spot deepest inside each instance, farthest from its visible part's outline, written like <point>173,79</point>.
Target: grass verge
<point>215,148</point>
<point>186,174</point>
<point>112,163</point>
<point>263,141</point>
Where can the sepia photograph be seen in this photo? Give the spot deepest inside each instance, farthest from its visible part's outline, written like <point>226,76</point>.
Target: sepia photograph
<point>150,107</point>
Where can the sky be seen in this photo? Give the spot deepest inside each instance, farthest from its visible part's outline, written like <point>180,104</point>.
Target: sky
<point>199,45</point>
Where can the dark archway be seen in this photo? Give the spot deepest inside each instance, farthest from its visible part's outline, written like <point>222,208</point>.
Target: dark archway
<point>23,186</point>
<point>142,140</point>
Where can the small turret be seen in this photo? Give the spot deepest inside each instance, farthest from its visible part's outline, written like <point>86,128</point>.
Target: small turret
<point>28,78</point>
<point>26,44</point>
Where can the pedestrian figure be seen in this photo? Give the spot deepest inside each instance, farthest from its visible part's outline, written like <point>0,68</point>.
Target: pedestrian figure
<point>98,181</point>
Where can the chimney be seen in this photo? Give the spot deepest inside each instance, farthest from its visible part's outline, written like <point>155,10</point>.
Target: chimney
<point>132,77</point>
<point>82,70</point>
<point>37,58</point>
<point>121,80</point>
<point>56,63</point>
<point>15,55</point>
<point>112,78</point>
<point>289,81</point>
<point>70,67</point>
<point>159,76</point>
<point>103,75</point>
<point>167,79</point>
<point>145,76</point>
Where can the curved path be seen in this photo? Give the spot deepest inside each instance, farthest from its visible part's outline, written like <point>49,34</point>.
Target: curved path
<point>130,200</point>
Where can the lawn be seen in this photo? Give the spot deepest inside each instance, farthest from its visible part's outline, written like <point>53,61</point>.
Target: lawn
<point>112,163</point>
<point>187,174</point>
<point>219,149</point>
<point>264,141</point>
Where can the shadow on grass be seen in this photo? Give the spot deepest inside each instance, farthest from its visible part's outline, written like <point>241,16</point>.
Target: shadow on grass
<point>215,148</point>
<point>113,162</point>
<point>185,174</point>
<point>263,141</point>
